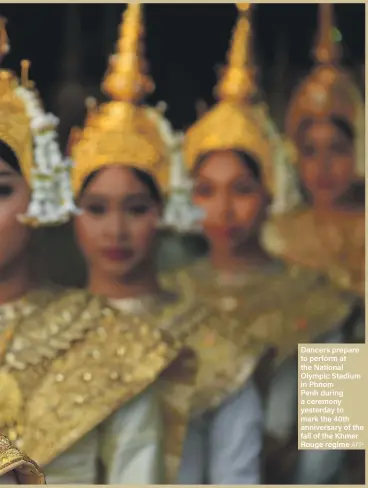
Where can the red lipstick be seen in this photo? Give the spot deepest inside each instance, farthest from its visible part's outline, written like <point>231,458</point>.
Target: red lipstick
<point>325,184</point>
<point>223,231</point>
<point>117,254</point>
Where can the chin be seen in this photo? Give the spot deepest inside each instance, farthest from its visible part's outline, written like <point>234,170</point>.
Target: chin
<point>117,271</point>
<point>325,197</point>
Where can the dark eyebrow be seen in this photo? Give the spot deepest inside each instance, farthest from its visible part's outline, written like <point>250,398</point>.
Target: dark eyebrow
<point>129,198</point>
<point>7,173</point>
<point>133,197</point>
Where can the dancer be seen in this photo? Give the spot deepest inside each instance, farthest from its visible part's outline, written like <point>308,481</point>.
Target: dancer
<point>325,120</point>
<point>231,157</point>
<point>78,385</point>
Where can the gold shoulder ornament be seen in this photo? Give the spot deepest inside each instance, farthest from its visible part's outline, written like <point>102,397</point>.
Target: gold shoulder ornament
<point>25,470</point>
<point>227,355</point>
<point>277,306</point>
<point>74,360</point>
<point>333,244</point>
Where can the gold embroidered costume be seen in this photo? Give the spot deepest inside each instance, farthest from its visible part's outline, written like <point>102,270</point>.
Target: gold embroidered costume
<point>277,305</point>
<point>333,243</point>
<point>70,361</point>
<point>25,470</point>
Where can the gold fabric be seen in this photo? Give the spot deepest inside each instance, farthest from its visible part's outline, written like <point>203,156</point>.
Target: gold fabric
<point>278,306</point>
<point>177,384</point>
<point>25,470</point>
<point>121,131</point>
<point>232,123</point>
<point>227,355</point>
<point>333,244</point>
<point>69,361</point>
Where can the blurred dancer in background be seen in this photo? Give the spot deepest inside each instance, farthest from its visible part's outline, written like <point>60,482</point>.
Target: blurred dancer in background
<point>120,175</point>
<point>60,378</point>
<point>16,468</point>
<point>327,232</point>
<point>231,156</point>
<point>326,122</point>
<point>178,245</point>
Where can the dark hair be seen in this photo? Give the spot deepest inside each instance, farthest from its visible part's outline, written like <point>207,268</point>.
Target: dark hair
<point>8,155</point>
<point>344,127</point>
<point>147,180</point>
<point>144,177</point>
<point>341,124</point>
<point>245,158</point>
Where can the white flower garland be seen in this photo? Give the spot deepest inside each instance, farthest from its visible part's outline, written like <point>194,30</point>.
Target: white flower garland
<point>180,213</point>
<point>286,193</point>
<point>52,197</point>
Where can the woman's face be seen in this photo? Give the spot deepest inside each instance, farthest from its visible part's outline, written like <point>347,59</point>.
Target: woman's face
<point>14,200</point>
<point>326,162</point>
<point>232,198</point>
<point>118,225</point>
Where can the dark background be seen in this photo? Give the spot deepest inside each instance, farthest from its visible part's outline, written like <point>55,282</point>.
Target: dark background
<point>69,46</point>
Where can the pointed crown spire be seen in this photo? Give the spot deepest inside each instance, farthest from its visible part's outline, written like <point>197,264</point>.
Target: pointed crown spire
<point>326,50</point>
<point>4,40</point>
<point>126,79</point>
<point>237,81</point>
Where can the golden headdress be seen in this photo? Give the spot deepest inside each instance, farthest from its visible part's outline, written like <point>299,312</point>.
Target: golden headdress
<point>328,90</point>
<point>121,131</point>
<point>30,133</point>
<point>232,123</point>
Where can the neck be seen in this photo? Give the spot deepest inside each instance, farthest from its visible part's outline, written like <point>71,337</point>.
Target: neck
<point>323,207</point>
<point>15,283</point>
<point>249,255</point>
<point>118,288</point>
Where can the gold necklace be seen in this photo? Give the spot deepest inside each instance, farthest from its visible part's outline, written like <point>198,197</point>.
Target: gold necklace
<point>143,304</point>
<point>11,398</point>
<point>5,339</point>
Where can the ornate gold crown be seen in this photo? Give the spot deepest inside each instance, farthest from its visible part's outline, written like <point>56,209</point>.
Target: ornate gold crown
<point>120,131</point>
<point>15,128</point>
<point>232,123</point>
<point>30,133</point>
<point>328,89</point>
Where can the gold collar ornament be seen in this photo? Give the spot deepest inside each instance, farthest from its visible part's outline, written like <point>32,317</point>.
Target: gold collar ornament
<point>234,122</point>
<point>328,90</point>
<point>25,470</point>
<point>121,131</point>
<point>30,132</point>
